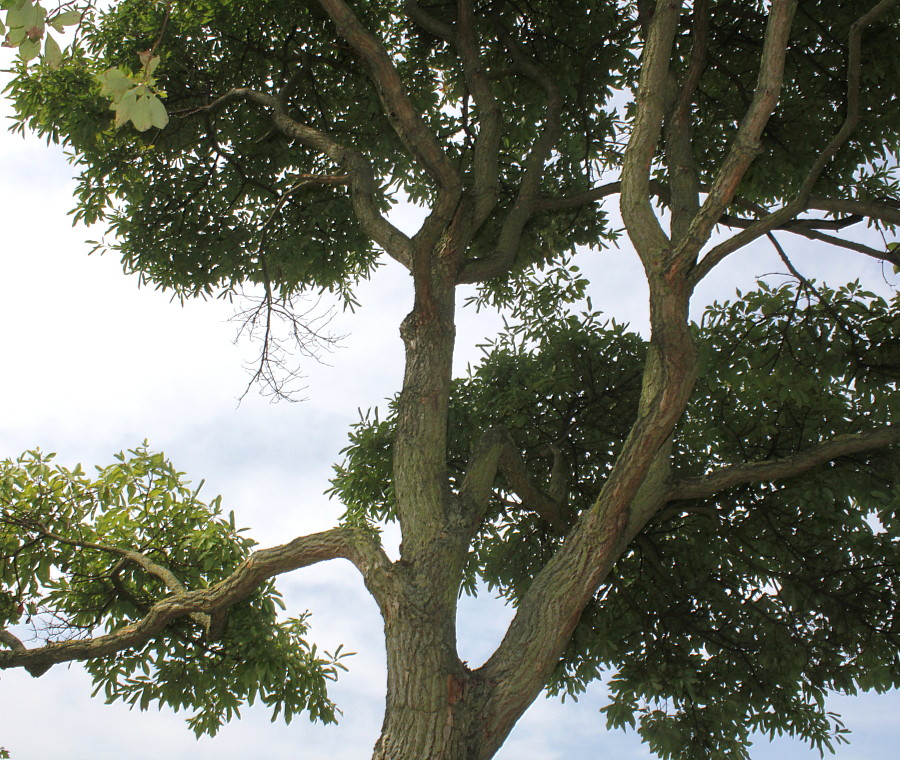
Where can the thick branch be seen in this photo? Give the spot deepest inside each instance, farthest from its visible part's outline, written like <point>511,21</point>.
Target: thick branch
<point>482,469</point>
<point>524,206</point>
<point>429,23</point>
<point>397,105</point>
<point>557,513</point>
<point>360,548</point>
<point>802,199</point>
<point>486,158</point>
<point>746,143</point>
<point>550,609</point>
<point>640,220</point>
<point>13,642</point>
<point>577,200</point>
<point>884,211</point>
<point>684,181</point>
<point>497,452</point>
<point>785,467</point>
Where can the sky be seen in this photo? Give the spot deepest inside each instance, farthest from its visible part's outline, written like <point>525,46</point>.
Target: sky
<point>92,365</point>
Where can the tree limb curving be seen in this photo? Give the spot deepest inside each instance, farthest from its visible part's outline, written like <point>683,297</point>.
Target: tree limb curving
<point>361,548</point>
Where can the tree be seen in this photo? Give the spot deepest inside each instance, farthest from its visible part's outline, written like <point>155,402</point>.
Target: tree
<point>708,512</point>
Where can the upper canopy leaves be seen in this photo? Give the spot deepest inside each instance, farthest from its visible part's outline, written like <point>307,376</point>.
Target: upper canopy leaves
<point>222,195</point>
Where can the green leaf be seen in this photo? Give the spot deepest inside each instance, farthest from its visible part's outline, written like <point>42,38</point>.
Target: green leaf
<point>52,52</point>
<point>124,108</point>
<point>15,37</point>
<point>141,113</point>
<point>29,49</point>
<point>158,116</point>
<point>66,18</point>
<point>114,83</point>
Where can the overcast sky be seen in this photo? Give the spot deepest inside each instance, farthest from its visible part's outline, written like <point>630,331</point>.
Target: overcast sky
<point>93,365</point>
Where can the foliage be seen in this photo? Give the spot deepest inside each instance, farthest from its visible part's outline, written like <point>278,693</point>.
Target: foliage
<point>226,144</point>
<point>728,615</point>
<point>66,573</point>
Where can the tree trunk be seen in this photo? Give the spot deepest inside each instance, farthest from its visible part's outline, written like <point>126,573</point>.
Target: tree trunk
<point>431,711</point>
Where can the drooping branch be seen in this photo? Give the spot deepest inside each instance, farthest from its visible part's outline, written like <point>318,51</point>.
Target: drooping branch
<point>398,106</point>
<point>359,547</point>
<point>746,144</point>
<point>851,245</point>
<point>784,467</point>
<point>358,168</point>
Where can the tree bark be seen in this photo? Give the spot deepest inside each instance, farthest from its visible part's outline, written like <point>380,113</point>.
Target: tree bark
<point>429,711</point>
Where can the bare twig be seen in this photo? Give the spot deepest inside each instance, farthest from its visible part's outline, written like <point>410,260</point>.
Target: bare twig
<point>286,337</point>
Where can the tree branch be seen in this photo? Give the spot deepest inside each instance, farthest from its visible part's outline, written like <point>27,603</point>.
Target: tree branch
<point>854,66</point>
<point>550,609</point>
<point>362,549</point>
<point>15,644</point>
<point>486,157</point>
<point>884,211</point>
<point>802,199</point>
<point>429,23</point>
<point>785,467</point>
<point>497,452</point>
<point>358,168</point>
<point>523,208</point>
<point>746,143</point>
<point>813,234</point>
<point>481,472</point>
<point>684,181</point>
<point>640,220</point>
<point>397,105</point>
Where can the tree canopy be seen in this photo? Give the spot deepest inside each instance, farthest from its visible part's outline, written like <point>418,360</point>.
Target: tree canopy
<point>706,516</point>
